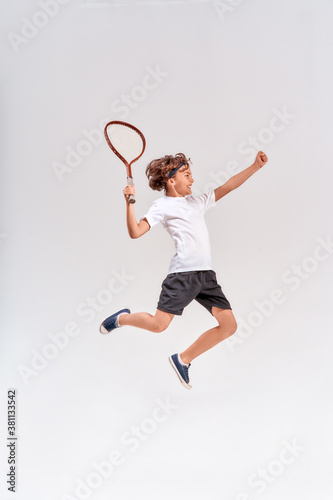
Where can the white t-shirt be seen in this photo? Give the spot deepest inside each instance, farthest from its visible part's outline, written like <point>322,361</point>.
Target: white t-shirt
<point>183,218</point>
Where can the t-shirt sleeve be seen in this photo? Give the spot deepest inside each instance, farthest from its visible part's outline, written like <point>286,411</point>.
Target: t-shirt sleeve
<point>154,214</point>
<point>206,201</point>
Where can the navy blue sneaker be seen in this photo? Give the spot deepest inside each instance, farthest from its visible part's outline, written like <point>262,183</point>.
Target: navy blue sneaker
<point>181,370</point>
<point>111,322</point>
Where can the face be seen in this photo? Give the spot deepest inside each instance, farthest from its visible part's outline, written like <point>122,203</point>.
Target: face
<point>182,182</point>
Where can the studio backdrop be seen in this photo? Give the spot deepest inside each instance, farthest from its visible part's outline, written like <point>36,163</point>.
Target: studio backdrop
<point>91,416</point>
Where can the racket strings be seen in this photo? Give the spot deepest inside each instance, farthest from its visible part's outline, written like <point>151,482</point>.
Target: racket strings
<point>126,141</point>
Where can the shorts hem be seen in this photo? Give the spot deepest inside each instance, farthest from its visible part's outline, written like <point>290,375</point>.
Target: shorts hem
<point>170,312</point>
<point>223,308</point>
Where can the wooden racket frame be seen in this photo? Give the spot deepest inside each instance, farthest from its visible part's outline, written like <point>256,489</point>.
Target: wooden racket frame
<point>128,165</point>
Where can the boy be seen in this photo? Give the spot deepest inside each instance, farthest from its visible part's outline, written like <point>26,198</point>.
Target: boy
<point>190,273</point>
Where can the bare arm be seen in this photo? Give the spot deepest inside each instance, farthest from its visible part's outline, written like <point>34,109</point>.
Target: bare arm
<point>238,179</point>
<point>135,229</point>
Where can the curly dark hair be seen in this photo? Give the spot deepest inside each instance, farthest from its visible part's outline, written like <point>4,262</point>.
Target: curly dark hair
<point>158,170</point>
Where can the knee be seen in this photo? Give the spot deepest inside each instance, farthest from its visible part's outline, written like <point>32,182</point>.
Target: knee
<point>161,321</point>
<point>161,327</point>
<point>233,327</point>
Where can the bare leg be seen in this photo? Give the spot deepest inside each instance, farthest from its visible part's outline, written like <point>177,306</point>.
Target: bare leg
<point>226,327</point>
<point>157,323</point>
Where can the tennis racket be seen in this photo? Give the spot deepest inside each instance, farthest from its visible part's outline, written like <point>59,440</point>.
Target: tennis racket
<point>128,143</point>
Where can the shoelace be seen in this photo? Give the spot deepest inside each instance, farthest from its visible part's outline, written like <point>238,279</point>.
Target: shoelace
<point>186,371</point>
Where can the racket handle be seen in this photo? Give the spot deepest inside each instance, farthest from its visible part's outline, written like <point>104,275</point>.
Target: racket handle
<point>131,197</point>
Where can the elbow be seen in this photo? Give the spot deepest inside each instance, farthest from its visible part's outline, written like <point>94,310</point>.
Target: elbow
<point>134,236</point>
<point>223,190</point>
<point>229,186</point>
<point>132,232</point>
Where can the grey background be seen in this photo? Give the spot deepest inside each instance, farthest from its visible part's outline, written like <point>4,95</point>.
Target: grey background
<point>224,74</point>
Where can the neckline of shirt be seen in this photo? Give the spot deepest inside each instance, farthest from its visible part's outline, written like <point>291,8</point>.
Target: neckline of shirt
<point>176,197</point>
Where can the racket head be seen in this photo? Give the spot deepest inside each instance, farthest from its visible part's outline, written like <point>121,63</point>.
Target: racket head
<point>126,141</point>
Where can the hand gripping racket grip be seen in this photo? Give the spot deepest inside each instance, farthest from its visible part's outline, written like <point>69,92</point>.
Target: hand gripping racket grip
<point>131,197</point>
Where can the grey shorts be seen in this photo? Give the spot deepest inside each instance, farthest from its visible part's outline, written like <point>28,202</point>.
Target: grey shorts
<point>179,289</point>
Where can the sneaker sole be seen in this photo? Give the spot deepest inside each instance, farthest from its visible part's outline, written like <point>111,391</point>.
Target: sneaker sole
<point>103,330</point>
<point>187,386</point>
